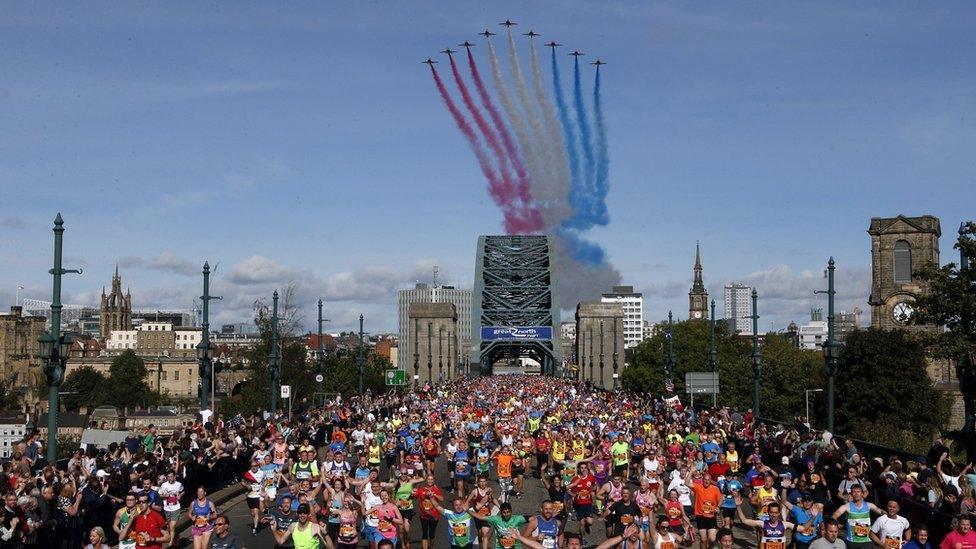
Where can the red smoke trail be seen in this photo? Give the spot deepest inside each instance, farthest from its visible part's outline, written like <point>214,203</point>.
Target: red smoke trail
<point>486,131</point>
<point>514,223</point>
<point>513,153</point>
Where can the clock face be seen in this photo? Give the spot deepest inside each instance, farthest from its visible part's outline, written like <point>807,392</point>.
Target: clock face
<point>902,312</point>
<point>696,314</point>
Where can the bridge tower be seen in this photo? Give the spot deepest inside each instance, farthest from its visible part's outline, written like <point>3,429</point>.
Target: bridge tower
<point>515,311</point>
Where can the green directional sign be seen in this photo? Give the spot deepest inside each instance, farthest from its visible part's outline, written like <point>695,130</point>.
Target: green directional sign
<point>396,377</point>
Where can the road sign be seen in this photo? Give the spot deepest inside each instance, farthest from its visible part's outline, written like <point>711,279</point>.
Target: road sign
<point>701,383</point>
<point>396,377</point>
<point>286,391</point>
<point>319,378</point>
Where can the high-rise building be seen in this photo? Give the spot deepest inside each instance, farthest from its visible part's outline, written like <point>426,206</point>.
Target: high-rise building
<point>426,293</point>
<point>698,296</point>
<point>116,308</point>
<point>738,308</point>
<point>633,306</point>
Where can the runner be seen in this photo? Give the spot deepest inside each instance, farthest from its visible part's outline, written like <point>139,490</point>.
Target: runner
<point>708,500</point>
<point>303,533</point>
<point>772,529</point>
<point>201,513</point>
<point>428,497</point>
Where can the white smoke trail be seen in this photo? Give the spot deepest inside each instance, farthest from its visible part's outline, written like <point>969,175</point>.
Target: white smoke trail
<point>529,154</point>
<point>557,166</point>
<point>543,189</point>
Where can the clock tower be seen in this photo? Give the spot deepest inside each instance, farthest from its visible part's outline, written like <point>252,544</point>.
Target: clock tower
<point>698,296</point>
<point>899,247</point>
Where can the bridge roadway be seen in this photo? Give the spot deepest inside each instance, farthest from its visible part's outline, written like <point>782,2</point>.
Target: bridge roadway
<point>532,497</point>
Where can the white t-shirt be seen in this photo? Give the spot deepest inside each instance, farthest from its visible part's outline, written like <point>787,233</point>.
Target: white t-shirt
<point>170,492</point>
<point>205,415</point>
<point>684,493</point>
<point>893,528</point>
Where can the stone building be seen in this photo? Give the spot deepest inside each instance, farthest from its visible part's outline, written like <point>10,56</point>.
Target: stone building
<point>20,364</point>
<point>899,247</point>
<point>600,343</point>
<point>177,376</point>
<point>116,308</point>
<point>433,343</point>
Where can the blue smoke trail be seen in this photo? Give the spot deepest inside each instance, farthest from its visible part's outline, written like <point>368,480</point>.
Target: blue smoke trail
<point>569,133</point>
<point>584,216</point>
<point>599,211</point>
<point>581,250</point>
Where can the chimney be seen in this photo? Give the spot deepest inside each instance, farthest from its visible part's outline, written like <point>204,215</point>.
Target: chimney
<point>16,311</point>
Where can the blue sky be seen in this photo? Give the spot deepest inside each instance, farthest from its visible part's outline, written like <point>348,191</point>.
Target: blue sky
<point>305,143</point>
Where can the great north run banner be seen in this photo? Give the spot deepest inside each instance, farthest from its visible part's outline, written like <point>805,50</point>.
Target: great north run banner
<point>517,332</point>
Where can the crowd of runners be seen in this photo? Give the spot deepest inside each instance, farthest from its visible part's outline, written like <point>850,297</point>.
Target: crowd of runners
<point>453,465</point>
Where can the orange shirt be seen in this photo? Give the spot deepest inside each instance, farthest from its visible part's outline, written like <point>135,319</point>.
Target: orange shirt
<point>504,465</point>
<point>707,500</point>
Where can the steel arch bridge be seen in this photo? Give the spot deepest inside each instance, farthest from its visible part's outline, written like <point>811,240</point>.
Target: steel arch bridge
<point>514,307</point>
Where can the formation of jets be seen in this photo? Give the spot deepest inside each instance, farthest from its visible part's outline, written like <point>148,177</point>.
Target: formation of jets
<point>509,24</point>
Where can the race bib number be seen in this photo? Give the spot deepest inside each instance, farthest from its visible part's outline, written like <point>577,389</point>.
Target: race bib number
<point>861,530</point>
<point>892,543</point>
<point>427,505</point>
<point>201,521</point>
<point>385,526</point>
<point>774,544</point>
<point>667,545</point>
<point>347,532</point>
<point>557,506</point>
<point>302,475</point>
<point>549,543</point>
<point>403,503</point>
<point>626,520</point>
<point>507,542</point>
<point>708,508</point>
<point>460,529</point>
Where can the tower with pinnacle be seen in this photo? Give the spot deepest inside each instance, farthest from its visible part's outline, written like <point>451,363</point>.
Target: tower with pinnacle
<point>698,296</point>
<point>116,308</point>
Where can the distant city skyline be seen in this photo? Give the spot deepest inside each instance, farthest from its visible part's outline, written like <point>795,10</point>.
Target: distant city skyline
<point>307,145</point>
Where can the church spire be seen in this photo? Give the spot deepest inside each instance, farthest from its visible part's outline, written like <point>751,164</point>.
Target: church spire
<point>698,286</point>
<point>698,296</point>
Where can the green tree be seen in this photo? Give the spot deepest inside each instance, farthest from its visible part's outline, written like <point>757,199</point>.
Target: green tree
<point>127,382</point>
<point>950,301</point>
<point>884,393</point>
<point>786,370</point>
<point>84,387</point>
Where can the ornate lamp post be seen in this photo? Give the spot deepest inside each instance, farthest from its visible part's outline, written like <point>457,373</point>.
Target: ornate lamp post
<point>591,355</point>
<point>615,356</point>
<point>430,348</point>
<point>320,359</point>
<point>275,355</point>
<point>55,348</point>
<point>416,352</point>
<point>361,359</point>
<point>603,384</point>
<point>756,360</point>
<point>712,352</point>
<point>204,349</point>
<point>440,352</point>
<point>671,359</point>
<point>830,346</point>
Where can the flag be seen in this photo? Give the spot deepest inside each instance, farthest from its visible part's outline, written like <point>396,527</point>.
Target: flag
<point>668,386</point>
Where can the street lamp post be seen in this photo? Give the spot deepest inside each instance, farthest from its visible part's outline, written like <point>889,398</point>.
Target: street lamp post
<point>430,348</point>
<point>807,398</point>
<point>756,359</point>
<point>274,356</point>
<point>581,359</point>
<point>830,346</point>
<point>204,349</point>
<point>963,260</point>
<point>670,337</point>
<point>591,354</point>
<point>416,352</point>
<point>712,352</point>
<point>440,352</point>
<point>361,359</point>
<point>615,355</point>
<point>54,348</point>
<point>603,384</point>
<point>450,357</point>
<point>320,359</point>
